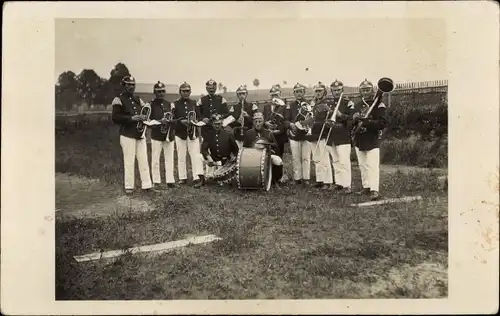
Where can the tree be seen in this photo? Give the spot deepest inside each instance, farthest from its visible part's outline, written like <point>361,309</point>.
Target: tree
<point>224,89</point>
<point>256,83</point>
<point>88,85</point>
<point>116,75</point>
<point>66,91</point>
<point>220,86</point>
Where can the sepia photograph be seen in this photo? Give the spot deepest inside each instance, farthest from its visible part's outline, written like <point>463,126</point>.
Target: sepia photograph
<point>263,163</point>
<point>250,158</point>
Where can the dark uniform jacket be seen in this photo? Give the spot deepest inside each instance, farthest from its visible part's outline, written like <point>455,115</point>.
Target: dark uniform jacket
<point>252,135</point>
<point>291,112</point>
<point>370,134</point>
<point>281,136</point>
<point>180,109</point>
<point>236,112</point>
<point>219,145</point>
<point>209,105</point>
<point>125,106</point>
<point>158,108</point>
<point>341,132</point>
<point>321,110</point>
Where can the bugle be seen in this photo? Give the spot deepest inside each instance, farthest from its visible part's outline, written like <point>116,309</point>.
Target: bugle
<point>165,128</point>
<point>384,85</point>
<point>145,111</point>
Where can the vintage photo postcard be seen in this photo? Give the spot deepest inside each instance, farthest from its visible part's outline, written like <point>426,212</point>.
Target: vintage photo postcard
<point>250,158</point>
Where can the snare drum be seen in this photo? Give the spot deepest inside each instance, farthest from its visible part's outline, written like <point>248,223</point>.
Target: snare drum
<point>254,169</point>
<point>226,173</point>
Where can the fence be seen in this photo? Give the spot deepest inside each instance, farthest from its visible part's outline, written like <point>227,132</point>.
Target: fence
<point>409,92</point>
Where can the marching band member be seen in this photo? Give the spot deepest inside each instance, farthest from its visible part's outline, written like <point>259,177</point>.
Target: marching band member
<point>323,168</point>
<point>127,113</point>
<point>274,116</point>
<point>162,137</point>
<point>299,144</point>
<point>259,132</point>
<point>209,105</point>
<point>219,146</point>
<point>367,140</point>
<point>240,115</point>
<point>187,137</point>
<point>339,141</point>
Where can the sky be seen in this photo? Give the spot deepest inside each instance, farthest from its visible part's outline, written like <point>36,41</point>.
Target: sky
<point>236,51</point>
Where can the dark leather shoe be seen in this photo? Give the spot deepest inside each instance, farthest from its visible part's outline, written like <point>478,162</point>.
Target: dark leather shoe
<point>374,195</point>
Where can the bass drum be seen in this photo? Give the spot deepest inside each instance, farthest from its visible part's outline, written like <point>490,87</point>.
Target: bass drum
<point>254,170</point>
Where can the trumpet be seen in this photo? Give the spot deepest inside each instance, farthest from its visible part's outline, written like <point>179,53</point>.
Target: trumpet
<point>165,128</point>
<point>146,111</point>
<point>191,118</point>
<point>384,85</point>
<point>305,114</point>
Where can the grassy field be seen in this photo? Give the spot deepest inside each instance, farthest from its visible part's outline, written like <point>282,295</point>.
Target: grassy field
<point>288,243</point>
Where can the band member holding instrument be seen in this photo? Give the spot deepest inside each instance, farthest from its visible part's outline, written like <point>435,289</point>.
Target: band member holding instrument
<point>240,115</point>
<point>300,146</point>
<point>339,140</point>
<point>259,133</point>
<point>187,136</point>
<point>274,116</point>
<point>367,138</point>
<point>219,146</point>
<point>129,113</point>
<point>162,137</point>
<point>209,105</point>
<point>321,111</point>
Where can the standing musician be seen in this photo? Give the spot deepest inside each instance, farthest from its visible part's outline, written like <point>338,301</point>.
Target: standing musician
<point>162,137</point>
<point>187,137</point>
<point>299,144</point>
<point>128,113</point>
<point>321,111</point>
<point>339,140</point>
<point>240,115</point>
<point>209,105</point>
<point>274,116</point>
<point>367,140</point>
<point>219,146</point>
<point>259,132</point>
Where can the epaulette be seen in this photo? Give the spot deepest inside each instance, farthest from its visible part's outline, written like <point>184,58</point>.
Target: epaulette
<point>382,105</point>
<point>223,99</point>
<point>116,101</point>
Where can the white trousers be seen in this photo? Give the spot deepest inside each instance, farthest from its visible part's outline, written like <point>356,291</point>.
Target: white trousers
<point>341,162</point>
<point>369,165</point>
<point>132,149</point>
<point>301,159</point>
<point>157,147</point>
<point>323,167</point>
<point>191,147</point>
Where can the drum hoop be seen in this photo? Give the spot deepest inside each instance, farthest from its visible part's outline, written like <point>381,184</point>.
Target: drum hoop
<point>267,185</point>
<point>262,167</point>
<point>238,162</point>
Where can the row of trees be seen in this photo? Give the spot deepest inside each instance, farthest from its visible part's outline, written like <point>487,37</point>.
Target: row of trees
<point>88,87</point>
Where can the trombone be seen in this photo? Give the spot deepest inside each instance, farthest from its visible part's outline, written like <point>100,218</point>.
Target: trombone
<point>141,126</point>
<point>317,159</point>
<point>165,128</point>
<point>384,85</point>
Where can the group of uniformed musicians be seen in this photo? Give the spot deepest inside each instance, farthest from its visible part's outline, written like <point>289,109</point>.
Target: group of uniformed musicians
<point>319,132</point>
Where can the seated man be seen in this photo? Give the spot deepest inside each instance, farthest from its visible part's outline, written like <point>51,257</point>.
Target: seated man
<point>259,137</point>
<point>218,147</point>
